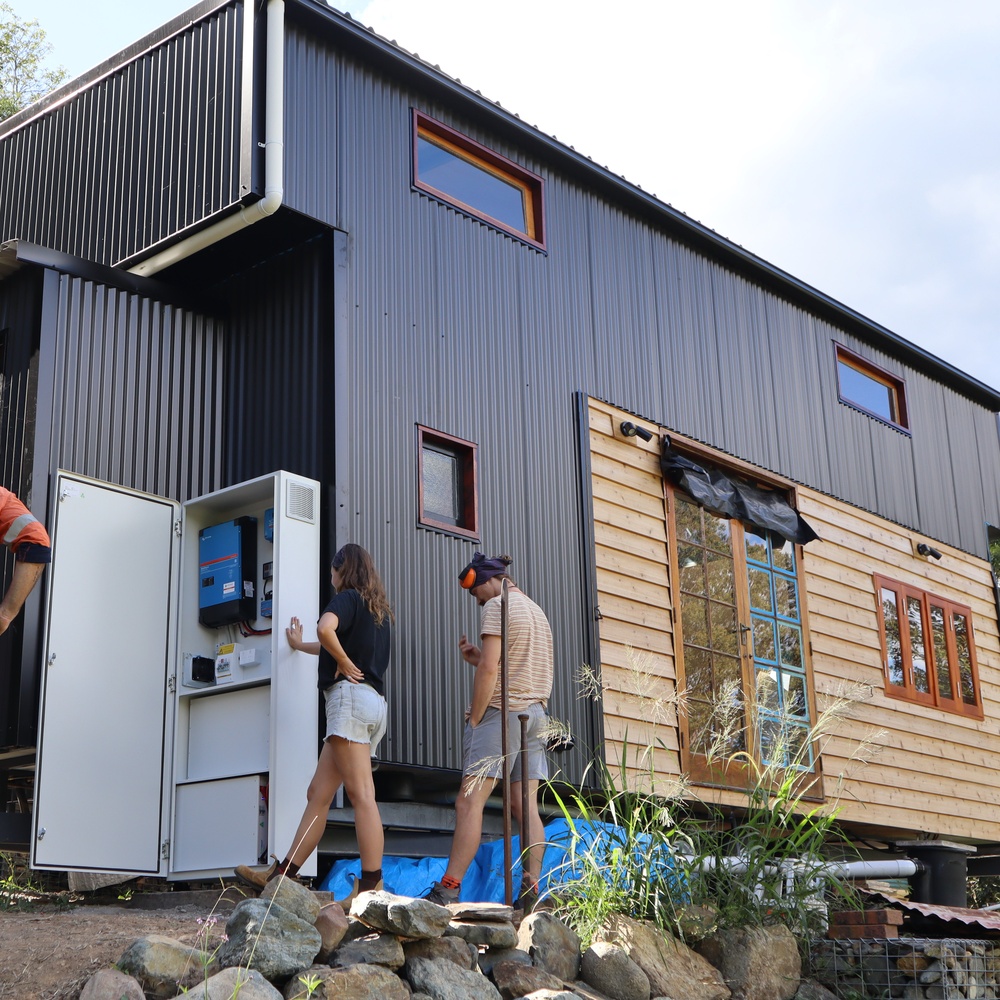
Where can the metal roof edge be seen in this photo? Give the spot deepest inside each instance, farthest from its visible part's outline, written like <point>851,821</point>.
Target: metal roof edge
<point>391,55</point>
<point>15,254</point>
<point>71,88</point>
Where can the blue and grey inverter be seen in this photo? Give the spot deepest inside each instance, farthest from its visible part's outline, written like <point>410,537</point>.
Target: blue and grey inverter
<point>227,575</point>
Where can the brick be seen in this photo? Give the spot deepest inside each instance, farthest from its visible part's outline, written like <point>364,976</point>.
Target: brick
<point>884,917</point>
<point>848,917</point>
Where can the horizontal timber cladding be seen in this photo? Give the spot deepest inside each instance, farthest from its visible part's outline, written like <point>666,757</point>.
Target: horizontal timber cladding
<point>142,153</point>
<point>622,304</point>
<point>890,766</point>
<point>133,388</point>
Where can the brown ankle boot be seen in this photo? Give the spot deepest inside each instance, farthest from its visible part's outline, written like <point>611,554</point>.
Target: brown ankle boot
<point>255,878</point>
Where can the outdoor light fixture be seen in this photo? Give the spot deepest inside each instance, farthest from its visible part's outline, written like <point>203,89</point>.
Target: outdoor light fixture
<point>630,430</point>
<point>923,549</point>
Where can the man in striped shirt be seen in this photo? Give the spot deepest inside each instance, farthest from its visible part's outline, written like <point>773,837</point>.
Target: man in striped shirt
<point>29,541</point>
<point>529,682</point>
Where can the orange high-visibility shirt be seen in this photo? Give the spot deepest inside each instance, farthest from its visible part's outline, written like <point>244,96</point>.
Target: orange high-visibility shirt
<point>19,527</point>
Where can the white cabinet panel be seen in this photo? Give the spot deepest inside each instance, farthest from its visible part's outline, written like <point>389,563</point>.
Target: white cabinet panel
<point>217,824</point>
<point>99,798</point>
<point>229,733</point>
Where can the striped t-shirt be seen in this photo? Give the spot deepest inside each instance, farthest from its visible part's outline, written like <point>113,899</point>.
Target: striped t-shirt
<point>529,650</point>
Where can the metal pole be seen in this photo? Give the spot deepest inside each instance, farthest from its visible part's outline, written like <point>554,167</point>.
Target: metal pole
<point>523,719</point>
<point>504,749</point>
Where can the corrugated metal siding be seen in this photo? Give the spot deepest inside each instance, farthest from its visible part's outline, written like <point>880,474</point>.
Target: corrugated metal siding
<point>141,154</point>
<point>453,325</point>
<point>137,394</point>
<point>279,333</point>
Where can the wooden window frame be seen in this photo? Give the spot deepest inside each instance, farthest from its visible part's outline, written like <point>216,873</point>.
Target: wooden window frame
<point>735,775</point>
<point>895,384</point>
<point>468,454</point>
<point>956,705</point>
<point>530,185</point>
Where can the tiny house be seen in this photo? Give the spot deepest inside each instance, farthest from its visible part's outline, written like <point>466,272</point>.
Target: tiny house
<point>264,238</point>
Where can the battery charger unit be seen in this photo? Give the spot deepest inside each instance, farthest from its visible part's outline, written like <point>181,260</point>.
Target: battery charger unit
<point>227,561</point>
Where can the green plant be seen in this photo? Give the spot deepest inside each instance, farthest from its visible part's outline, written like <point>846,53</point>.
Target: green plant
<point>662,847</point>
<point>311,982</point>
<point>18,887</point>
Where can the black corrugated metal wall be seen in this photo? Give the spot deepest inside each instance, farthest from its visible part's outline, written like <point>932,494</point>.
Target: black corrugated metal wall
<point>143,153</point>
<point>453,325</point>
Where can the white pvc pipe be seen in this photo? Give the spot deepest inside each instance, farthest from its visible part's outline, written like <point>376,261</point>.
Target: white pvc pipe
<point>274,158</point>
<point>903,868</point>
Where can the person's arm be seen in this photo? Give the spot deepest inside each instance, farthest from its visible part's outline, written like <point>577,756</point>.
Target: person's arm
<point>327,632</point>
<point>25,577</point>
<point>485,682</point>
<point>294,635</point>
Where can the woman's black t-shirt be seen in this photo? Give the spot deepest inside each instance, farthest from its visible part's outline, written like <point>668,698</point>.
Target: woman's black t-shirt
<point>367,644</point>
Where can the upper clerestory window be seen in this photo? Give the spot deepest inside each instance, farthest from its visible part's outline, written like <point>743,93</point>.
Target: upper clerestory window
<point>872,389</point>
<point>474,179</point>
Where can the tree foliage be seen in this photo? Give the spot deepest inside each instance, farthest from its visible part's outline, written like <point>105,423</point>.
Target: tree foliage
<point>23,77</point>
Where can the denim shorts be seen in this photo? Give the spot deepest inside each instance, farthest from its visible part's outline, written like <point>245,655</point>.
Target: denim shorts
<point>482,749</point>
<point>355,712</point>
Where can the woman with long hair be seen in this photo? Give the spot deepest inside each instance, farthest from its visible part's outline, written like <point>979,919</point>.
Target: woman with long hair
<point>354,640</point>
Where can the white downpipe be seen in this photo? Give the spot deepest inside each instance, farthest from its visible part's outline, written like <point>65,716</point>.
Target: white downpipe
<point>274,158</point>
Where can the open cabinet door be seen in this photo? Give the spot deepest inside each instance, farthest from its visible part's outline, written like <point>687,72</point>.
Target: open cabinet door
<point>103,773</point>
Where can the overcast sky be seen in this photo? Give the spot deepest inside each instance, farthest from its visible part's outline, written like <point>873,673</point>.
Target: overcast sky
<point>852,143</point>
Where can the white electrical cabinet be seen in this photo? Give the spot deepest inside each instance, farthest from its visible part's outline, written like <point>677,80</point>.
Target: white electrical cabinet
<point>167,747</point>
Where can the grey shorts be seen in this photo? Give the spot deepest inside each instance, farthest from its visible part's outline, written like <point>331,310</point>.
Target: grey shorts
<point>482,747</point>
<point>355,712</point>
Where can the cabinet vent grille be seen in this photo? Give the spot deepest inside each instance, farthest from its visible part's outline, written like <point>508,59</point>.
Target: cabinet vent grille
<point>300,502</point>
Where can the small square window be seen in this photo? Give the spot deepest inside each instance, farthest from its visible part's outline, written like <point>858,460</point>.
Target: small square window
<point>871,389</point>
<point>447,483</point>
<point>476,180</point>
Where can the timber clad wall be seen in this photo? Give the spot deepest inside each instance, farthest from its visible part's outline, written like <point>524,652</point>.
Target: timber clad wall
<point>931,771</point>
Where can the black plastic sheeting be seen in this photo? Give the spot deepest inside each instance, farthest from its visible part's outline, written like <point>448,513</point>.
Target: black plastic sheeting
<point>728,496</point>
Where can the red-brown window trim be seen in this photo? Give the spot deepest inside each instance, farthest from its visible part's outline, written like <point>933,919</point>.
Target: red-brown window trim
<point>877,374</point>
<point>905,692</point>
<point>469,455</point>
<point>531,184</point>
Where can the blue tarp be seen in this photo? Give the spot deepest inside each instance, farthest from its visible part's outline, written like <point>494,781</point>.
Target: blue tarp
<point>484,880</point>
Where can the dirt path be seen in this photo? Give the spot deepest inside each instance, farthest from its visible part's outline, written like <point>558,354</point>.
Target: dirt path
<point>50,951</point>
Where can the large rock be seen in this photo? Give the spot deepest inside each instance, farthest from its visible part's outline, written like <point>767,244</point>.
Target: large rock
<point>492,933</point>
<point>294,897</point>
<point>608,968</point>
<point>757,963</point>
<point>374,949</point>
<point>514,979</point>
<point>414,918</point>
<point>444,980</point>
<point>491,956</point>
<point>809,989</point>
<point>452,949</point>
<point>266,937</point>
<point>332,925</point>
<point>356,982</point>
<point>673,969</point>
<point>551,944</point>
<point>247,984</point>
<point>112,984</point>
<point>163,966</point>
